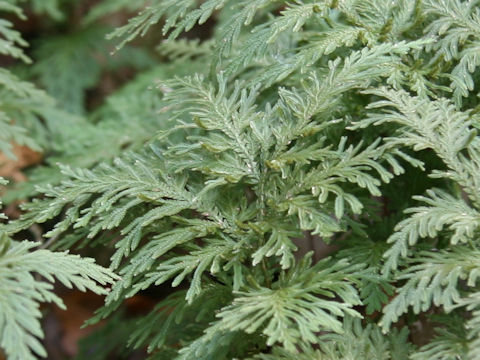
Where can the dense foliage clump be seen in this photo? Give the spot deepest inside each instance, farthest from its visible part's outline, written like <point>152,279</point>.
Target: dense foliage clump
<point>347,124</point>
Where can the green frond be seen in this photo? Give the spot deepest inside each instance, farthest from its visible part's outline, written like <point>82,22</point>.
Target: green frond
<point>444,212</point>
<point>472,303</point>
<point>11,41</point>
<point>291,19</point>
<point>210,258</point>
<point>375,289</point>
<point>436,125</point>
<point>229,116</point>
<point>180,16</point>
<point>245,12</point>
<point>353,72</point>
<point>215,344</point>
<point>432,279</point>
<point>145,269</point>
<point>456,25</point>
<point>22,102</point>
<point>185,49</point>
<point>291,313</point>
<point>179,319</point>
<point>131,180</point>
<point>319,44</point>
<point>21,292</point>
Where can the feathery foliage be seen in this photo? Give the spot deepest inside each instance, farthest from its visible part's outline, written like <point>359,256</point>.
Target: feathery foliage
<point>344,124</point>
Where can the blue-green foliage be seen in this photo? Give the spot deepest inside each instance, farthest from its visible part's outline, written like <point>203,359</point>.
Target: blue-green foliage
<point>347,122</point>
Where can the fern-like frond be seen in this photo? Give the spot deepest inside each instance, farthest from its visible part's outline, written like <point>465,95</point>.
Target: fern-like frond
<point>107,187</point>
<point>472,303</point>
<point>444,212</point>
<point>11,41</point>
<point>456,24</point>
<point>357,71</point>
<point>177,317</point>
<point>185,49</point>
<point>214,255</point>
<point>21,105</point>
<point>229,116</point>
<point>180,16</point>
<point>291,19</point>
<point>429,124</point>
<point>318,45</point>
<point>433,279</point>
<point>21,292</point>
<point>292,311</point>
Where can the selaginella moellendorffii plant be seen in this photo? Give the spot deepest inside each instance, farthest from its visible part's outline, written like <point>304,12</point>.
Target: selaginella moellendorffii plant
<point>348,122</point>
